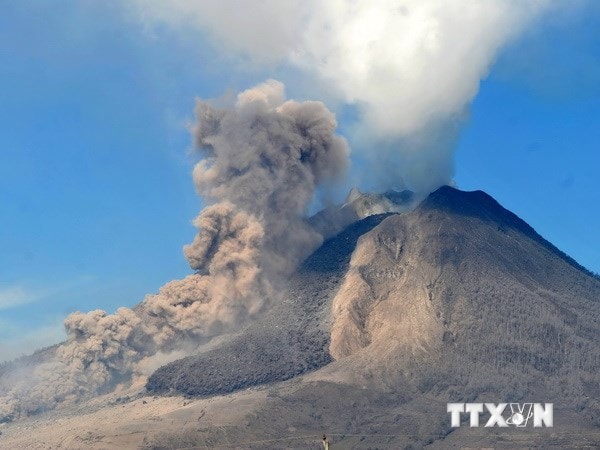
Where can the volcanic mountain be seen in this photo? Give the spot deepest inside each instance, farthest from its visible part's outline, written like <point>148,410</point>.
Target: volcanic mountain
<point>400,312</point>
<point>459,278</point>
<point>457,300</point>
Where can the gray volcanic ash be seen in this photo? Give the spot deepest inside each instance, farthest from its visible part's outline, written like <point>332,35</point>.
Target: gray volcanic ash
<point>264,158</point>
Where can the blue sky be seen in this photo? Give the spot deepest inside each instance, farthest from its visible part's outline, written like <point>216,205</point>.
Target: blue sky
<point>96,196</point>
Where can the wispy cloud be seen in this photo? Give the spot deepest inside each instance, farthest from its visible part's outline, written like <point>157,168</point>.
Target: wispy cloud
<point>17,295</point>
<point>26,342</point>
<point>14,296</point>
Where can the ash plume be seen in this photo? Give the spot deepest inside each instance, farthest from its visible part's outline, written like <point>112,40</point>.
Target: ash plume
<point>263,159</point>
<point>263,180</point>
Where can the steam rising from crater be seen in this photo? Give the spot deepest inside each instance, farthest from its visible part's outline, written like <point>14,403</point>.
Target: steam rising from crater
<point>264,157</point>
<point>409,67</point>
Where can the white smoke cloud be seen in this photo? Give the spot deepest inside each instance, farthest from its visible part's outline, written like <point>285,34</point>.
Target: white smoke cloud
<point>411,66</point>
<point>264,158</point>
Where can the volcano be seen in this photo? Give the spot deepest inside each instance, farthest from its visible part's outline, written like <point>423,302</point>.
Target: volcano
<point>399,313</point>
<point>457,300</point>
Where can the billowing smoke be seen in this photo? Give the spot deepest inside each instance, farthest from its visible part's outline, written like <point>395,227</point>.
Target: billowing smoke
<point>266,182</point>
<point>411,67</point>
<point>263,159</point>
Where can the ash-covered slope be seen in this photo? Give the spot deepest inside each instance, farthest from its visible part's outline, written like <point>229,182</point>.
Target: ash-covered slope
<point>291,339</point>
<point>459,298</point>
<point>466,300</point>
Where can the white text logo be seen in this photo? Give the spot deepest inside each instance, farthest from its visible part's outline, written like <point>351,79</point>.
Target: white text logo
<point>518,415</point>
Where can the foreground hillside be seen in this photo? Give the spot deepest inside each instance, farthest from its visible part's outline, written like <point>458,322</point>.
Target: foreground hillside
<point>292,414</point>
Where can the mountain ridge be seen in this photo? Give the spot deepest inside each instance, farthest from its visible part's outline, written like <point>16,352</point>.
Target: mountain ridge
<point>442,199</point>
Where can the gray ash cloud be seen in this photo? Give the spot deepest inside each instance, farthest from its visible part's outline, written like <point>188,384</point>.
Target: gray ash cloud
<point>263,159</point>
